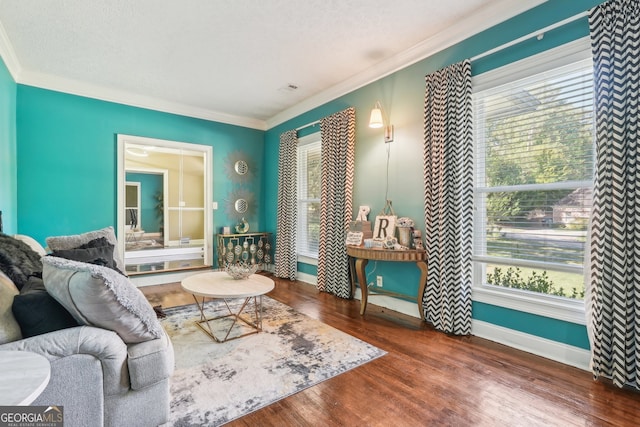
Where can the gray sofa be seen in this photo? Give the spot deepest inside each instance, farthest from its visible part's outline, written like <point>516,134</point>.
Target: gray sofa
<point>98,378</point>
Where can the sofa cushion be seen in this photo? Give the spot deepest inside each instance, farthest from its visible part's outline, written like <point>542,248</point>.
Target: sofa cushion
<point>9,328</point>
<point>99,296</point>
<point>58,243</point>
<point>37,312</point>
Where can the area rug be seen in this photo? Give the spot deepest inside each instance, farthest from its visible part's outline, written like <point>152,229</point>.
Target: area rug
<point>216,383</point>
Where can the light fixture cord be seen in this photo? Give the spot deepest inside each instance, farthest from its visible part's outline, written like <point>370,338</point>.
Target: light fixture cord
<point>386,190</point>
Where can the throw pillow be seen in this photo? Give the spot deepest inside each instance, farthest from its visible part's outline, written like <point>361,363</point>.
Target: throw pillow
<point>99,296</point>
<point>97,251</point>
<point>58,243</point>
<point>32,243</point>
<point>37,312</point>
<point>17,260</point>
<point>99,255</point>
<point>9,328</point>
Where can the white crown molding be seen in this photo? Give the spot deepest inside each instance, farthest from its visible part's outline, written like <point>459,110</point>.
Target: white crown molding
<point>74,87</point>
<point>494,14</point>
<point>8,54</point>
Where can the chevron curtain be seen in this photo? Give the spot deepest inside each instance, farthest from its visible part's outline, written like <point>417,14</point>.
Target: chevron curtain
<point>615,222</point>
<point>448,198</point>
<point>285,258</point>
<point>337,133</point>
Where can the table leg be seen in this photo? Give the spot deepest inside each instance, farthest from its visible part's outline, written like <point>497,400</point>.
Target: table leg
<point>256,325</point>
<point>362,280</point>
<point>352,276</point>
<point>423,283</point>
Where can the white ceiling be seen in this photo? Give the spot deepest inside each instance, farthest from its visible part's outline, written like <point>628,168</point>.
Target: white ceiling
<point>232,61</point>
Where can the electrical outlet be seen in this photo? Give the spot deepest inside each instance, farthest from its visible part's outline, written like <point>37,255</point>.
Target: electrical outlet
<point>379,281</point>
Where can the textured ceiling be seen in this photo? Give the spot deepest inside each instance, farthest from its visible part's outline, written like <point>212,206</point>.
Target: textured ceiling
<point>232,60</point>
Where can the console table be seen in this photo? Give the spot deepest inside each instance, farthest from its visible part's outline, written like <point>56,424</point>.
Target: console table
<point>359,257</point>
<point>254,248</point>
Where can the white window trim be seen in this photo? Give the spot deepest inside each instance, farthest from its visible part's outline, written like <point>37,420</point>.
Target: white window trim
<point>307,257</point>
<point>566,309</point>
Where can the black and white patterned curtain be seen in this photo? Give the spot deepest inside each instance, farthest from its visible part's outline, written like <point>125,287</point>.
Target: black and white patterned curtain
<point>337,133</point>
<point>614,286</point>
<point>448,198</point>
<point>285,258</point>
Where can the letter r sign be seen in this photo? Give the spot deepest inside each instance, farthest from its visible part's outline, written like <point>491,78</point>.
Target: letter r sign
<point>385,226</point>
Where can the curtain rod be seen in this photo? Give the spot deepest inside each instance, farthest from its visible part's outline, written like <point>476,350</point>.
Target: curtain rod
<point>307,125</point>
<point>537,33</point>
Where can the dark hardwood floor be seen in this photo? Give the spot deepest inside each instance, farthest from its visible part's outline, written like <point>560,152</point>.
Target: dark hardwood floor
<point>429,378</point>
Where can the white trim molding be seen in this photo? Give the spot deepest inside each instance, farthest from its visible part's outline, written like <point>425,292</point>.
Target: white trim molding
<point>543,347</point>
<point>559,352</point>
<point>565,309</point>
<point>8,54</point>
<point>307,278</point>
<point>75,87</point>
<point>486,18</point>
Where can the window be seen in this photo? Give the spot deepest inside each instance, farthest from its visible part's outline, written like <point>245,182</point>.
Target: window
<point>534,139</point>
<point>308,232</point>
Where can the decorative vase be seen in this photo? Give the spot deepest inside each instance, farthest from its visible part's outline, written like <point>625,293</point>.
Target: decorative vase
<point>242,226</point>
<point>404,236</point>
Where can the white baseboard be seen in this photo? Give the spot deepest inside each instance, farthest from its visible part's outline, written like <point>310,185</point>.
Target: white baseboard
<point>307,278</point>
<point>409,308</point>
<point>560,352</point>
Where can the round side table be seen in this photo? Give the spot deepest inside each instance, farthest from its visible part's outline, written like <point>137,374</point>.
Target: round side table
<point>23,376</point>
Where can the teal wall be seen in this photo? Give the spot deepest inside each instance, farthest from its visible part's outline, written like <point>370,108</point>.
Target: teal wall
<point>8,173</point>
<point>67,158</point>
<point>402,96</point>
<point>61,178</point>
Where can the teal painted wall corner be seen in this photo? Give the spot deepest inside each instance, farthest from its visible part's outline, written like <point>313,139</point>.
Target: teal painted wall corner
<point>8,160</point>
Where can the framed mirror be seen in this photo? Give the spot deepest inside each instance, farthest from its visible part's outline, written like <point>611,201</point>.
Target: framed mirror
<point>241,205</point>
<point>240,202</point>
<point>241,167</point>
<point>164,189</point>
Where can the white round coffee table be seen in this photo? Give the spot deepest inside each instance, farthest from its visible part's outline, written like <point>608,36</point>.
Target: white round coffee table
<point>220,285</point>
<point>23,376</point>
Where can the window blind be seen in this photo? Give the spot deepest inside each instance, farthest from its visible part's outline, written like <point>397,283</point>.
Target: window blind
<point>308,227</point>
<point>534,168</point>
